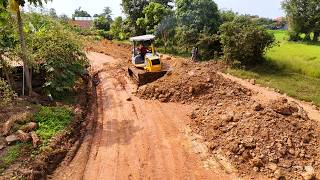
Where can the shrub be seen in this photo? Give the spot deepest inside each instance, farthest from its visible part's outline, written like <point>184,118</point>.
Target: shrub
<point>51,121</point>
<point>6,93</point>
<point>244,42</point>
<point>60,52</point>
<point>209,45</point>
<point>105,34</point>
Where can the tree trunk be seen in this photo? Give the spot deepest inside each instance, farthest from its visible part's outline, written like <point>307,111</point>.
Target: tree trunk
<point>24,53</point>
<point>307,38</point>
<point>165,47</point>
<point>316,36</point>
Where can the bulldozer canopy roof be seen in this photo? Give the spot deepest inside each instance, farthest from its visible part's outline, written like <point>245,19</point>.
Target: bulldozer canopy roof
<point>147,37</point>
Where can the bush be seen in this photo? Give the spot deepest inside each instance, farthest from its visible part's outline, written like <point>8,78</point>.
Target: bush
<point>6,94</point>
<point>51,121</point>
<point>105,34</point>
<point>244,42</point>
<point>60,51</point>
<point>209,45</point>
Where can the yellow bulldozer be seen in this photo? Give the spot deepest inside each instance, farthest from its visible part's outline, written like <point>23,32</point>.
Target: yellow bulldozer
<point>146,64</point>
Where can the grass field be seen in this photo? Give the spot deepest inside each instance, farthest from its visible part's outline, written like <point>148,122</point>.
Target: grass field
<point>293,68</point>
<point>302,58</point>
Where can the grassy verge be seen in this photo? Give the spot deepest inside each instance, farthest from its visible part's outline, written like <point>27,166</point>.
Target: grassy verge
<point>293,84</point>
<point>11,154</point>
<point>51,121</point>
<point>291,67</point>
<point>299,57</point>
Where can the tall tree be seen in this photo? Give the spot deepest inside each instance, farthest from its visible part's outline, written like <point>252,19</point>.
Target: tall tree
<point>117,29</point>
<point>106,13</point>
<point>165,30</point>
<point>14,6</point>
<point>153,15</point>
<point>134,10</point>
<point>80,13</point>
<point>193,17</point>
<point>52,12</point>
<point>8,42</point>
<point>303,17</point>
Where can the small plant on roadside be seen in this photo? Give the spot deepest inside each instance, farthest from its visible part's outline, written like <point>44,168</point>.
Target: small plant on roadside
<point>6,94</point>
<point>11,154</point>
<point>244,42</point>
<point>51,121</point>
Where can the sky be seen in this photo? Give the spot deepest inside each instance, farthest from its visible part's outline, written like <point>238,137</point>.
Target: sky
<point>263,8</point>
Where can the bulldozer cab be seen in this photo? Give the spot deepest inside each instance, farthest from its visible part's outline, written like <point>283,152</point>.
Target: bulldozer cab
<point>149,59</point>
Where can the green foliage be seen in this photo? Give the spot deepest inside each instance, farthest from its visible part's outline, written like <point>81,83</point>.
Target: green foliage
<point>102,23</point>
<point>134,11</point>
<point>51,121</point>
<point>166,30</point>
<point>209,45</point>
<point>58,50</point>
<point>106,13</point>
<point>52,13</point>
<point>117,29</point>
<point>105,34</point>
<point>227,15</point>
<point>11,154</point>
<point>298,57</point>
<point>80,13</point>
<point>293,84</point>
<point>304,17</point>
<point>6,94</point>
<point>193,17</point>
<point>153,15</point>
<point>197,14</point>
<point>244,42</point>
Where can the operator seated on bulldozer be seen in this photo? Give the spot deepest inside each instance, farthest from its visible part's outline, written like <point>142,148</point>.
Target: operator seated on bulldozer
<point>143,50</point>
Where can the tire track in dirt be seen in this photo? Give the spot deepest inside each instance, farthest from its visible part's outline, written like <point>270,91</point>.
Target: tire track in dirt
<point>135,139</point>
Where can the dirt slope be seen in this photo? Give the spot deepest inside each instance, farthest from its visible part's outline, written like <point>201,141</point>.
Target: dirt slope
<point>134,138</point>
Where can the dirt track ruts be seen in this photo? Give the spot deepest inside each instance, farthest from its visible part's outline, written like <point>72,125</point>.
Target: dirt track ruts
<point>134,138</point>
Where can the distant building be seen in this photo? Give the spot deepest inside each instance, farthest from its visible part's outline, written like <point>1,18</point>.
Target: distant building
<point>83,22</point>
<point>281,23</point>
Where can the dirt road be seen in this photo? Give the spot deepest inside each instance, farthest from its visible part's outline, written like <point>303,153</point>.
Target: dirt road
<point>134,138</point>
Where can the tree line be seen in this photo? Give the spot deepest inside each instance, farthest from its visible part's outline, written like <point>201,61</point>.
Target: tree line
<point>304,18</point>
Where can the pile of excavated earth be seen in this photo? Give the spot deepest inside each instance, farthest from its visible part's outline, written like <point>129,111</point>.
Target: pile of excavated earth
<point>277,140</point>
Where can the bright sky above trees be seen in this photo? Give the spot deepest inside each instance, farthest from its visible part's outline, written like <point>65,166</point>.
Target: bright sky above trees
<point>264,8</point>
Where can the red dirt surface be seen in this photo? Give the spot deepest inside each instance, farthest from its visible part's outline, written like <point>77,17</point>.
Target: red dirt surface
<point>141,139</point>
<point>133,138</point>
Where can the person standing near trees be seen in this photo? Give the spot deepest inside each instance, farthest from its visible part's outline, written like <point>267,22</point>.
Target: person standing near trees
<point>194,54</point>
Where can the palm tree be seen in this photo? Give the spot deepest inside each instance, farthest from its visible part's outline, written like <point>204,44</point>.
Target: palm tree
<point>14,7</point>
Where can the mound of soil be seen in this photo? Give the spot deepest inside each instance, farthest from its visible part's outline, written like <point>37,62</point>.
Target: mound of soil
<point>276,139</point>
<point>121,51</point>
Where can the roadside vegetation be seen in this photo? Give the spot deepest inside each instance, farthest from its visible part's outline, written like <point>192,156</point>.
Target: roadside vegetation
<point>50,53</point>
<point>291,67</point>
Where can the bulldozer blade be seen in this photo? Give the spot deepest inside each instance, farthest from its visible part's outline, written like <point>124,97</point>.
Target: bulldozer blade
<point>142,77</point>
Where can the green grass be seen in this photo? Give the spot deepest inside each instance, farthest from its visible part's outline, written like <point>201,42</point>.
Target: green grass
<point>11,154</point>
<point>51,121</point>
<point>299,57</point>
<point>293,84</point>
<point>291,67</point>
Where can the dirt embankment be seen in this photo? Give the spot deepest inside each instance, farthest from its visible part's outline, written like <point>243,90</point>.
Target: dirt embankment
<point>276,139</point>
<point>63,146</point>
